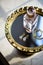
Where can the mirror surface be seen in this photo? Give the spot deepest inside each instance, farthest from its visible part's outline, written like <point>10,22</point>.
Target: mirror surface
<point>36,37</point>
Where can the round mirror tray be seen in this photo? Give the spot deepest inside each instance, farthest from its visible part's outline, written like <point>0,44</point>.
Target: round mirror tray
<point>14,30</point>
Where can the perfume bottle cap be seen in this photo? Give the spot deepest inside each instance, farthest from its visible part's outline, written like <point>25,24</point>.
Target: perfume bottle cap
<point>31,11</point>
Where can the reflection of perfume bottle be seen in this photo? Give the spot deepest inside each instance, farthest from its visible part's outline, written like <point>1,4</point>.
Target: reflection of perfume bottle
<point>30,20</point>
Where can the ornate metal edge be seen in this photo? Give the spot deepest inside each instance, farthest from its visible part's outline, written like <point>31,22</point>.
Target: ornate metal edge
<point>8,24</point>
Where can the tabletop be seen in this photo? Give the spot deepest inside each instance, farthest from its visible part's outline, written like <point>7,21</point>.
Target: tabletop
<point>13,56</point>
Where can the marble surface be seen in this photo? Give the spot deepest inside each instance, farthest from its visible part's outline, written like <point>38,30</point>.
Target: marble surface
<point>13,56</point>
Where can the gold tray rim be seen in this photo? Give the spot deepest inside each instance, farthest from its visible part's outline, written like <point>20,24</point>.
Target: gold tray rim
<point>8,24</point>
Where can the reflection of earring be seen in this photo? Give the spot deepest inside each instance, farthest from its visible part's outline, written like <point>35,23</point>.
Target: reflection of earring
<point>38,34</point>
<point>25,38</point>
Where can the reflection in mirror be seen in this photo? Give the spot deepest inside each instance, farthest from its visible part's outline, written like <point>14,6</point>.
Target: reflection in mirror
<point>38,38</point>
<point>35,39</point>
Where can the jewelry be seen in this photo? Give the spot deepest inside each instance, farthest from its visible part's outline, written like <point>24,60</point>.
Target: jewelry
<point>38,36</point>
<point>24,38</point>
<point>21,37</point>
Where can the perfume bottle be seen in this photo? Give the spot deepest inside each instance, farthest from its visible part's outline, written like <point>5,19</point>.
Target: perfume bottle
<point>30,20</point>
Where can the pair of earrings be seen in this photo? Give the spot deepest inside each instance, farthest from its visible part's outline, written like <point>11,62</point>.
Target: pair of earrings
<point>23,37</point>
